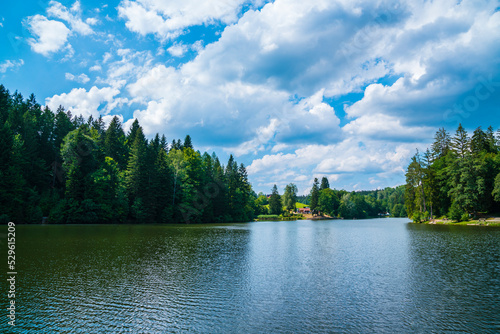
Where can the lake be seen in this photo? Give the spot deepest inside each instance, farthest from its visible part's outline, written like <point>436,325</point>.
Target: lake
<point>342,276</point>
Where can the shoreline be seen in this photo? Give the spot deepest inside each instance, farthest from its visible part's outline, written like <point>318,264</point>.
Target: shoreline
<point>494,221</point>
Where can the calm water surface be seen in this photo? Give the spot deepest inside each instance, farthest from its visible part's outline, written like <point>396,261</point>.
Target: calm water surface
<point>365,276</point>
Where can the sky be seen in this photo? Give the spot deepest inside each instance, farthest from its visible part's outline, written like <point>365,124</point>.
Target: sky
<point>294,89</point>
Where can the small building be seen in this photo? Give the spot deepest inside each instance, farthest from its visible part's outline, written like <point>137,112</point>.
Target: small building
<point>305,210</point>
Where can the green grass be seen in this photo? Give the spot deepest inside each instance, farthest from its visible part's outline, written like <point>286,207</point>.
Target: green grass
<point>470,222</point>
<point>300,205</point>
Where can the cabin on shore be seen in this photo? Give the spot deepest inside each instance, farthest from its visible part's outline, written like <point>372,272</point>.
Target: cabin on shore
<point>305,210</point>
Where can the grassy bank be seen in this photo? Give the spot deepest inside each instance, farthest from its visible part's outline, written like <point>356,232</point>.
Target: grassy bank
<point>488,222</point>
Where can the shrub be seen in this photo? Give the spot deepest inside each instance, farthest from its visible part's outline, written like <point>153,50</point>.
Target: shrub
<point>268,217</point>
<point>464,217</point>
<point>455,212</point>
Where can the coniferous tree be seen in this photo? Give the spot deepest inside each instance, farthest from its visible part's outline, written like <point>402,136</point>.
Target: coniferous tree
<point>442,144</point>
<point>314,195</point>
<point>460,142</point>
<point>275,207</point>
<point>187,142</point>
<point>324,183</point>
<point>115,142</point>
<point>134,175</point>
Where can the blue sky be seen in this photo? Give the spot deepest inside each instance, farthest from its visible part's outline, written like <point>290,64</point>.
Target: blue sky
<point>294,89</point>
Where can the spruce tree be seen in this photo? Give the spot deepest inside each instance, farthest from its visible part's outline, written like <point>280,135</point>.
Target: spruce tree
<point>324,183</point>
<point>314,195</point>
<point>275,207</point>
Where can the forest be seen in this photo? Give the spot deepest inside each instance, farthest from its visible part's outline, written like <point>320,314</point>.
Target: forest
<point>60,168</point>
<point>56,167</point>
<point>457,178</point>
<point>355,204</point>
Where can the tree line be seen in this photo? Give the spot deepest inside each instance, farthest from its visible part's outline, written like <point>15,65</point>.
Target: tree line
<point>61,168</point>
<point>337,203</point>
<point>66,169</point>
<point>457,178</point>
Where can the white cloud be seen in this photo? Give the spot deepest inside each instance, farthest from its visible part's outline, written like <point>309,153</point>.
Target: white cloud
<point>177,50</point>
<point>346,163</point>
<point>10,65</point>
<point>267,85</point>
<point>168,19</point>
<point>108,118</point>
<point>95,68</point>
<point>82,78</point>
<point>91,21</point>
<point>385,127</point>
<point>263,135</point>
<point>51,36</point>
<point>72,16</point>
<point>86,103</point>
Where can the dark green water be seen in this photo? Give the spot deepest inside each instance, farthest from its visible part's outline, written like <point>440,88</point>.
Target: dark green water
<point>370,276</point>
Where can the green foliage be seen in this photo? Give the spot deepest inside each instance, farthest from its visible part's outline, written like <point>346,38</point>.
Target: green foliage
<point>314,195</point>
<point>73,170</point>
<point>268,217</point>
<point>455,212</point>
<point>328,201</point>
<point>457,177</point>
<point>275,207</point>
<point>289,197</point>
<point>417,217</point>
<point>324,183</point>
<point>496,190</point>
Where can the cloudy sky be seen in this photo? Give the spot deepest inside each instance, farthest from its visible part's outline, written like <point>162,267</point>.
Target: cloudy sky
<point>295,89</point>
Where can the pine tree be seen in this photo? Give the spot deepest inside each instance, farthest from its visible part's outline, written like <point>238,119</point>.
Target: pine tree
<point>460,142</point>
<point>275,207</point>
<point>132,133</point>
<point>134,175</point>
<point>479,142</point>
<point>5,104</point>
<point>187,142</point>
<point>324,183</point>
<point>491,140</point>
<point>314,195</point>
<point>442,144</point>
<point>115,143</point>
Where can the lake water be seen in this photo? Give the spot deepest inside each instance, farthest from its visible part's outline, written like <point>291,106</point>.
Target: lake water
<point>361,276</point>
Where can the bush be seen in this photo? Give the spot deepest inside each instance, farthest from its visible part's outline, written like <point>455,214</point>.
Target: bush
<point>268,217</point>
<point>455,212</point>
<point>417,217</point>
<point>464,217</point>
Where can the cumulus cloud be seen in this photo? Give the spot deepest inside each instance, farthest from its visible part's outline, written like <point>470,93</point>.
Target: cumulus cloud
<point>177,50</point>
<point>305,88</point>
<point>10,65</point>
<point>168,19</point>
<point>86,103</point>
<point>51,36</point>
<point>95,68</point>
<point>346,162</point>
<point>72,16</point>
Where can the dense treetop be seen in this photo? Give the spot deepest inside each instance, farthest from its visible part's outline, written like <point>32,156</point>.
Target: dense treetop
<point>73,170</point>
<point>457,178</point>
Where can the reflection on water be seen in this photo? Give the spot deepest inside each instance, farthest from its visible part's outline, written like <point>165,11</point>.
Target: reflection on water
<point>292,277</point>
<point>454,278</point>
